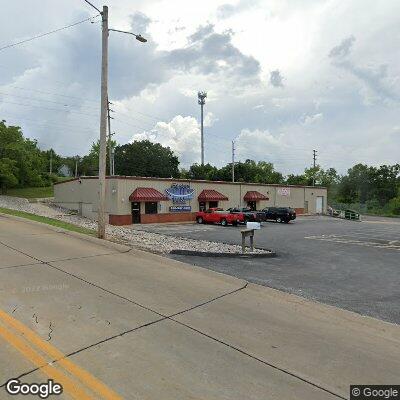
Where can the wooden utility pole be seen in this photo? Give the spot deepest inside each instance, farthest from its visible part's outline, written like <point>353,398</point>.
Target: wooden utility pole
<point>76,166</point>
<point>101,231</point>
<point>315,159</point>
<point>233,161</point>
<point>51,161</point>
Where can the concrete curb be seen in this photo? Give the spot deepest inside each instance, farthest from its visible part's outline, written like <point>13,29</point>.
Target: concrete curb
<point>232,255</point>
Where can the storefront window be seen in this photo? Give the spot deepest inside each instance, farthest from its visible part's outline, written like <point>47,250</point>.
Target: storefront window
<point>202,205</point>
<point>151,208</point>
<point>213,204</point>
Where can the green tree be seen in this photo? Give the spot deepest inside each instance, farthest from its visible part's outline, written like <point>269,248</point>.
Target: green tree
<point>252,171</point>
<point>30,165</point>
<point>144,158</point>
<point>206,172</point>
<point>8,174</point>
<point>292,179</point>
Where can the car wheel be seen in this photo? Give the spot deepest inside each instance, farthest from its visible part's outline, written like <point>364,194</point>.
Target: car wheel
<point>199,220</point>
<point>235,223</point>
<point>224,222</point>
<point>279,220</point>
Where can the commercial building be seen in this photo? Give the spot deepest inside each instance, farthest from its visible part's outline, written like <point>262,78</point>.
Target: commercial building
<point>131,199</point>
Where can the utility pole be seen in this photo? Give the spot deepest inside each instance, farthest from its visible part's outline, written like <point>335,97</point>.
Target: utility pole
<point>233,161</point>
<point>101,231</point>
<point>76,166</point>
<point>110,149</point>
<point>315,159</point>
<point>51,161</point>
<point>113,161</point>
<point>202,100</point>
<point>101,219</point>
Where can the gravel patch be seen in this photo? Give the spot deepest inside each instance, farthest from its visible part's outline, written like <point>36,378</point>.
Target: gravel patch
<point>154,242</point>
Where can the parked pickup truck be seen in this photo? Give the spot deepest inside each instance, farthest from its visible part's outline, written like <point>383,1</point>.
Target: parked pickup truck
<point>218,216</point>
<point>279,214</point>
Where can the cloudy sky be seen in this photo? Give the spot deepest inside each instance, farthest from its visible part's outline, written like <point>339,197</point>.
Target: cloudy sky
<point>283,77</point>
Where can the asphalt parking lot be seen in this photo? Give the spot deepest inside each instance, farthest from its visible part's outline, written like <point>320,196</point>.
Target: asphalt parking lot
<point>352,265</point>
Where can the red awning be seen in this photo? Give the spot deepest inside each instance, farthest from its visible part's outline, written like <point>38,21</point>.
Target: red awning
<point>254,196</point>
<point>211,195</point>
<point>147,194</point>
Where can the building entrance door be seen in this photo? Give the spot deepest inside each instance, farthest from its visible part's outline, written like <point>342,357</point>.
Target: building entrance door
<point>252,205</point>
<point>135,212</point>
<point>320,205</point>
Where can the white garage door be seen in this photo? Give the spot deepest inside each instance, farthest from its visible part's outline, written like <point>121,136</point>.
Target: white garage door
<point>320,205</point>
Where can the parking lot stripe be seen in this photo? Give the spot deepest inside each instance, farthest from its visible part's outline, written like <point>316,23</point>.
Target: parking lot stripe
<point>56,355</point>
<point>69,386</point>
<point>343,239</point>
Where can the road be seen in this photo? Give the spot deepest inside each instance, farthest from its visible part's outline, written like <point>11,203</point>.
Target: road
<point>347,264</point>
<point>110,322</point>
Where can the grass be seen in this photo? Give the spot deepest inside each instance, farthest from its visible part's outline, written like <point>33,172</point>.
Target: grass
<point>35,192</point>
<point>31,193</point>
<point>48,221</point>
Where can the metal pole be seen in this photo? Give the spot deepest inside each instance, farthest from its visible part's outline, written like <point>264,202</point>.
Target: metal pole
<point>201,100</point>
<point>101,231</point>
<point>233,161</point>
<point>202,135</point>
<point>76,167</point>
<point>51,161</point>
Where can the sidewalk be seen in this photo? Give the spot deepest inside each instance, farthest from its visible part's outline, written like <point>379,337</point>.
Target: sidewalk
<point>150,327</point>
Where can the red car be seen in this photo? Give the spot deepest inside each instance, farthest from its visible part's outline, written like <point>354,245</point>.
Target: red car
<point>219,216</point>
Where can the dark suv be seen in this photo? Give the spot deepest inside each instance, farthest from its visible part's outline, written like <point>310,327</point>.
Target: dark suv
<point>279,214</point>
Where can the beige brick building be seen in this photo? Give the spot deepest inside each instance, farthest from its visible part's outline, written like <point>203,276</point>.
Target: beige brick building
<point>147,200</point>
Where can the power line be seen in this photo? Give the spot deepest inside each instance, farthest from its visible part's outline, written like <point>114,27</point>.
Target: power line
<point>51,109</point>
<point>132,125</point>
<point>44,100</point>
<point>46,34</point>
<point>53,93</point>
<point>58,127</point>
<point>90,4</point>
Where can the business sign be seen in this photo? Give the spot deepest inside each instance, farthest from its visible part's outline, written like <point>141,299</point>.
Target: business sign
<point>284,191</point>
<point>180,209</point>
<point>180,193</point>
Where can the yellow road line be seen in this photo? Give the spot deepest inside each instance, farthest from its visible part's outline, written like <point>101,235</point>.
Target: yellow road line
<point>84,376</point>
<point>68,385</point>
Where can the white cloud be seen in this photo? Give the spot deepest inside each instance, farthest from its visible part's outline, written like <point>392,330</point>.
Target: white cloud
<point>227,48</point>
<point>257,144</point>
<point>311,119</point>
<point>210,119</point>
<point>181,134</point>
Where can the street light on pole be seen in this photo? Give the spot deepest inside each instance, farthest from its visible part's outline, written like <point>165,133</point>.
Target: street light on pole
<point>101,219</point>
